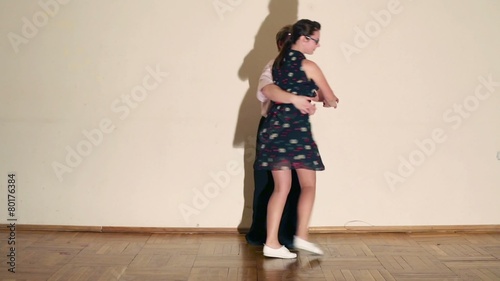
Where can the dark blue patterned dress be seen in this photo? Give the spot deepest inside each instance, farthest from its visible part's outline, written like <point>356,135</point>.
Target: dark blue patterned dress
<point>285,139</point>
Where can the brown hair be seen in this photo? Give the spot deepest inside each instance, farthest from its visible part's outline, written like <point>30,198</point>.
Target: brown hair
<point>303,27</point>
<point>282,36</point>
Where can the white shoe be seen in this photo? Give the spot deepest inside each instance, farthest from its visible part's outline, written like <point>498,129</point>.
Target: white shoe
<point>282,253</point>
<point>302,244</point>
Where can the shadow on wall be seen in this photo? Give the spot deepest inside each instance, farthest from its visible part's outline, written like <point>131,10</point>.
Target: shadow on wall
<point>281,13</point>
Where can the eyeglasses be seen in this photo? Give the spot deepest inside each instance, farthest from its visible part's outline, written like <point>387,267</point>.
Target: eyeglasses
<point>315,40</point>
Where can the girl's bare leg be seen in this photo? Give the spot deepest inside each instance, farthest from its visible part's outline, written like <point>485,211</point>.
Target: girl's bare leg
<point>307,179</point>
<point>282,186</point>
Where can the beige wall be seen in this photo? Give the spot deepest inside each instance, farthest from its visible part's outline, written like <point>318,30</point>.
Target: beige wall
<point>142,113</point>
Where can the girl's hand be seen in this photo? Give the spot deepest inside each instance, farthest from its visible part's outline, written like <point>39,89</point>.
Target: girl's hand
<point>330,103</point>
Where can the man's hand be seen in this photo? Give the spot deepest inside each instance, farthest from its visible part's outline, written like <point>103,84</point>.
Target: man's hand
<point>304,104</point>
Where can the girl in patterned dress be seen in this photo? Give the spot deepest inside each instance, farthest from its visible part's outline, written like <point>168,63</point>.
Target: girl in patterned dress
<point>286,139</point>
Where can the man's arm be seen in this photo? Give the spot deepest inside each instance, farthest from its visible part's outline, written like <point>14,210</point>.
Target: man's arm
<point>276,94</point>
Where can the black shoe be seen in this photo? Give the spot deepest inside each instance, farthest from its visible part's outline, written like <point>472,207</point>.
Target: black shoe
<point>255,242</point>
<point>287,242</point>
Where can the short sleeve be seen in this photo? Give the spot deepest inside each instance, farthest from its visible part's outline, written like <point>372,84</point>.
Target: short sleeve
<point>266,78</point>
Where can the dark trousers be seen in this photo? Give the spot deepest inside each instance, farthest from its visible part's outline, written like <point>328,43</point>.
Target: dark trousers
<point>264,186</point>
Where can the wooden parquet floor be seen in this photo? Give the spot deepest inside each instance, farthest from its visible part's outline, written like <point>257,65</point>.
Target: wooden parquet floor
<point>376,256</point>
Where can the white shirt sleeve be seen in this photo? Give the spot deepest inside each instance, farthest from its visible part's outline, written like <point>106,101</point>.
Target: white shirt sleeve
<point>266,78</point>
